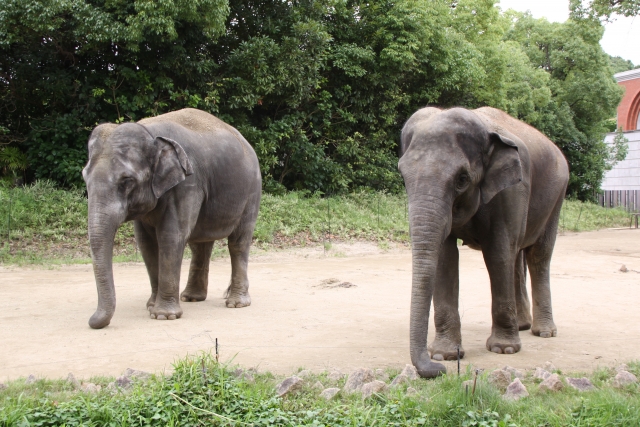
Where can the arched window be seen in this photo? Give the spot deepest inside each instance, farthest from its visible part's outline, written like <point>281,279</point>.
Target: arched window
<point>633,119</point>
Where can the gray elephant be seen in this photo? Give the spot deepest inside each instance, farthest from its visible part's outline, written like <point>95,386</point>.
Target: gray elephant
<point>183,177</point>
<point>498,185</point>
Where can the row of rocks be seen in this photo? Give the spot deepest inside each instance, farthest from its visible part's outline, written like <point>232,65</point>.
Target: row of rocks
<point>362,380</point>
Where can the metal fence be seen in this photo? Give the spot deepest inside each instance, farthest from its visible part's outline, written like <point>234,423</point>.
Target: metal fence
<point>629,200</point>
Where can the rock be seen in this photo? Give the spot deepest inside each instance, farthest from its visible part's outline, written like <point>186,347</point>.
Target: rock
<point>382,375</point>
<point>516,390</point>
<point>411,391</point>
<point>515,373</point>
<point>123,382</point>
<point>582,384</point>
<point>3,386</point>
<point>246,376</point>
<point>303,374</point>
<point>135,374</point>
<point>318,385</point>
<point>541,374</point>
<point>624,378</point>
<point>622,367</point>
<point>71,379</point>
<point>328,393</point>
<point>372,387</point>
<point>335,376</point>
<point>30,379</point>
<point>548,366</point>
<point>90,387</point>
<point>357,378</point>
<point>552,383</point>
<point>112,387</point>
<point>289,385</point>
<point>411,372</point>
<point>399,379</point>
<point>500,378</point>
<point>623,268</point>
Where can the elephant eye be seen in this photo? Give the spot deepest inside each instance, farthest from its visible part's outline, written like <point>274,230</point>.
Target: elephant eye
<point>125,183</point>
<point>462,181</point>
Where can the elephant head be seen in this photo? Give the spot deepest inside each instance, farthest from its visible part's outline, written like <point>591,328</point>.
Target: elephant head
<point>451,163</point>
<point>128,171</point>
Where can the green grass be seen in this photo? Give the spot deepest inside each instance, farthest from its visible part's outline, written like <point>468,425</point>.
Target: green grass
<point>48,225</point>
<point>202,392</point>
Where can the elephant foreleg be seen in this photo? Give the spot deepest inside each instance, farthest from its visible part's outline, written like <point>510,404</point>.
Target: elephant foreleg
<point>148,245</point>
<point>445,304</point>
<point>170,253</point>
<point>198,282</point>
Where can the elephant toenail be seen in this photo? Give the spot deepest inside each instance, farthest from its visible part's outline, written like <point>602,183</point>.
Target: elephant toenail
<point>544,334</point>
<point>153,316</point>
<point>508,350</point>
<point>183,299</point>
<point>437,357</point>
<point>161,317</point>
<point>496,350</point>
<point>172,317</point>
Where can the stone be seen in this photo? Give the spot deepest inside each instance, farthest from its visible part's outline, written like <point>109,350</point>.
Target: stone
<point>515,373</point>
<point>335,376</point>
<point>541,374</point>
<point>328,393</point>
<point>624,268</point>
<point>624,378</point>
<point>411,372</point>
<point>246,376</point>
<point>303,374</point>
<point>71,379</point>
<point>411,391</point>
<point>318,385</point>
<point>30,379</point>
<point>90,387</point>
<point>289,385</point>
<point>372,387</point>
<point>112,387</point>
<point>622,367</point>
<point>135,374</point>
<point>382,375</point>
<point>500,378</point>
<point>516,390</point>
<point>123,382</point>
<point>582,384</point>
<point>399,379</point>
<point>3,386</point>
<point>357,379</point>
<point>552,383</point>
<point>548,366</point>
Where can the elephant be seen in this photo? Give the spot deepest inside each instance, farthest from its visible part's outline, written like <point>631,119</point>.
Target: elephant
<point>184,177</point>
<point>497,184</point>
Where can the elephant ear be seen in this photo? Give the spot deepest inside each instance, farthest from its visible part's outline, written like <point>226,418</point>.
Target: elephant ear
<point>172,166</point>
<point>504,169</point>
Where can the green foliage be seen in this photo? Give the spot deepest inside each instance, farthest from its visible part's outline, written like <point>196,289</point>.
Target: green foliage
<point>619,64</point>
<point>321,89</point>
<point>203,392</point>
<point>604,9</point>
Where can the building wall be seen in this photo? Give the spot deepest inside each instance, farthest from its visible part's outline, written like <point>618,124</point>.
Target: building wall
<point>629,107</point>
<point>626,174</point>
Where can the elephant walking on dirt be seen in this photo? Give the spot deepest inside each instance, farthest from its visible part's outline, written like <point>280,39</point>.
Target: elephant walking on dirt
<point>497,184</point>
<point>183,177</point>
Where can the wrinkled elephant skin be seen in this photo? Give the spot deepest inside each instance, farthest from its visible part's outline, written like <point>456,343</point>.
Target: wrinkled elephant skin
<point>183,177</point>
<point>497,184</point>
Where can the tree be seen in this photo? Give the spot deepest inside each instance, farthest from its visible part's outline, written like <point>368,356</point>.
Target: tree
<point>604,9</point>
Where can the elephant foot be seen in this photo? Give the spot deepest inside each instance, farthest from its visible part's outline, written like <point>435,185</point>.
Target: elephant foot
<point>445,349</point>
<point>238,300</point>
<point>524,322</point>
<point>544,329</point>
<point>193,295</point>
<point>503,345</point>
<point>165,311</point>
<point>151,301</point>
<point>100,319</point>
<point>429,369</point>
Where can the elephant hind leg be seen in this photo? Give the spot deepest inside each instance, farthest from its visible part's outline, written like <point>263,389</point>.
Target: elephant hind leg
<point>237,294</point>
<point>198,282</point>
<point>539,263</point>
<point>523,306</point>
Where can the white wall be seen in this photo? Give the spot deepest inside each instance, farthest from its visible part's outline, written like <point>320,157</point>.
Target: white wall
<point>625,175</point>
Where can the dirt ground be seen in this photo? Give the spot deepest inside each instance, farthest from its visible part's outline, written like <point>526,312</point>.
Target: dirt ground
<point>296,321</point>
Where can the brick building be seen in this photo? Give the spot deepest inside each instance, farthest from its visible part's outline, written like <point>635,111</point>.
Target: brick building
<point>621,184</point>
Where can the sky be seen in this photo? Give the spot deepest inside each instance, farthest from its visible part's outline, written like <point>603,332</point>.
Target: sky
<point>621,37</point>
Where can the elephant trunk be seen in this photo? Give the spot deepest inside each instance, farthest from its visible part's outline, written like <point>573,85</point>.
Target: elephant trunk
<point>102,231</point>
<point>430,219</point>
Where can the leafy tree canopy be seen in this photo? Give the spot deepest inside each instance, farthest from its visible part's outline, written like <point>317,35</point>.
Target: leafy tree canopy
<point>320,88</point>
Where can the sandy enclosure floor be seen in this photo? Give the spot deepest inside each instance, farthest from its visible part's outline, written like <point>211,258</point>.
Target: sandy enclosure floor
<point>294,321</point>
